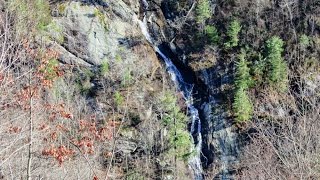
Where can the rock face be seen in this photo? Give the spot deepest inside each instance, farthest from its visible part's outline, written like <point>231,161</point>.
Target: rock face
<point>92,36</point>
<point>211,87</point>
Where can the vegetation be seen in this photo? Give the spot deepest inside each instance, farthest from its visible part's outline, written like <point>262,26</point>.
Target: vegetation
<point>259,69</point>
<point>62,8</point>
<point>118,98</point>
<point>212,34</point>
<point>36,14</point>
<point>55,32</point>
<point>304,41</point>
<point>102,18</point>
<point>127,78</point>
<point>278,75</point>
<point>50,69</point>
<point>232,32</point>
<point>54,114</point>
<point>243,107</point>
<point>176,121</point>
<point>104,68</point>
<point>123,120</point>
<point>243,77</point>
<point>203,11</point>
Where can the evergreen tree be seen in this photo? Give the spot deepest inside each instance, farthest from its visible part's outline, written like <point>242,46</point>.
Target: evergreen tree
<point>203,11</point>
<point>242,105</point>
<point>232,32</point>
<point>212,34</point>
<point>278,70</point>
<point>243,78</point>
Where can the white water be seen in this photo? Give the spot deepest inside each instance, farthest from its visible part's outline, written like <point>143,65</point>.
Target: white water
<point>186,89</point>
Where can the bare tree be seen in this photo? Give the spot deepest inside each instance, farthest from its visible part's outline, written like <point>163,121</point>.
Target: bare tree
<point>286,143</point>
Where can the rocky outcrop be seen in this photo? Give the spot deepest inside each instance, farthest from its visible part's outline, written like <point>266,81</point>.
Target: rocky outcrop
<point>91,33</point>
<point>211,85</point>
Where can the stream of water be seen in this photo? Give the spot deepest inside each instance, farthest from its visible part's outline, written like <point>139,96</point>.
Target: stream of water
<point>186,89</point>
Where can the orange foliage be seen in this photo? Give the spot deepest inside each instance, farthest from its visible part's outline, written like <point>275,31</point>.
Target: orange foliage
<point>14,129</point>
<point>60,153</point>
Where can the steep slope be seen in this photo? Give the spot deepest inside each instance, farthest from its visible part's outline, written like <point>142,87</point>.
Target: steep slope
<point>100,104</point>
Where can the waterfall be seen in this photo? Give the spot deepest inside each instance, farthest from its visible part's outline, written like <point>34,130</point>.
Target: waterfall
<point>186,89</point>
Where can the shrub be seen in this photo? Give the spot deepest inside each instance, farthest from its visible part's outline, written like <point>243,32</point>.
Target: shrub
<point>118,98</point>
<point>304,41</point>
<point>258,69</point>
<point>62,8</point>
<point>278,71</point>
<point>118,58</point>
<point>42,13</point>
<point>102,18</point>
<point>30,14</point>
<point>180,139</point>
<point>104,68</point>
<point>212,34</point>
<point>55,31</point>
<point>127,78</point>
<point>50,69</point>
<point>203,11</point>
<point>232,32</point>
<point>83,80</point>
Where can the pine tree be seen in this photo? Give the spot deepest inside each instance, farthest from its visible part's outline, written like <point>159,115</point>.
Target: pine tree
<point>232,32</point>
<point>212,34</point>
<point>278,70</point>
<point>242,105</point>
<point>203,11</point>
<point>243,78</point>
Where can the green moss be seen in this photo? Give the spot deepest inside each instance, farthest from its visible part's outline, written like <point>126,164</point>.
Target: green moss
<point>43,17</point>
<point>56,32</point>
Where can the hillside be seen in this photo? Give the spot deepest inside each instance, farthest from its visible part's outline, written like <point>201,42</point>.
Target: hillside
<point>162,89</point>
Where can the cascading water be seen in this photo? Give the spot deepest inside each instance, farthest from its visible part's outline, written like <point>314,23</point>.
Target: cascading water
<point>186,89</point>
